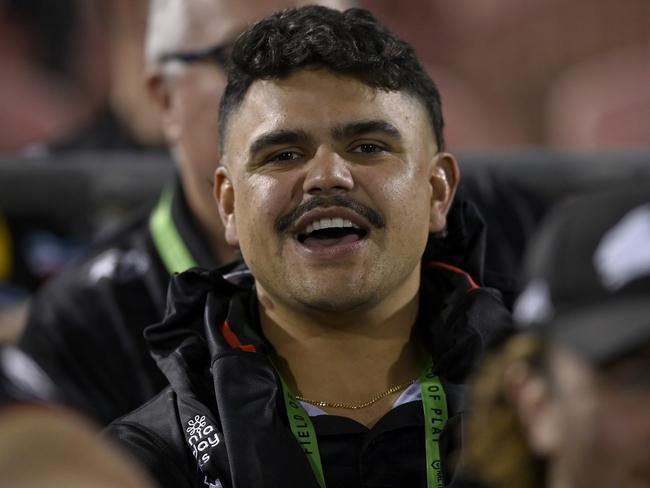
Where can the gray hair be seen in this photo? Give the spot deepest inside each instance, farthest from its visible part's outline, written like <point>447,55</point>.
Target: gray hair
<point>166,29</point>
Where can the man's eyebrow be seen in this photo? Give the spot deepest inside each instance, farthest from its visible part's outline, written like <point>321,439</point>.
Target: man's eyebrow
<point>363,127</point>
<point>277,137</point>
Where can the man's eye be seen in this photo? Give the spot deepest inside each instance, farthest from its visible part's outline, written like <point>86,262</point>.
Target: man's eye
<point>367,148</point>
<point>284,156</point>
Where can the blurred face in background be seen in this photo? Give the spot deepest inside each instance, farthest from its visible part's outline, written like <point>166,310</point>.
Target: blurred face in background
<point>592,424</point>
<point>188,44</point>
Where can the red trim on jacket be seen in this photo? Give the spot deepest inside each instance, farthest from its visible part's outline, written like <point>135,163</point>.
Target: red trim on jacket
<point>233,340</point>
<point>454,269</point>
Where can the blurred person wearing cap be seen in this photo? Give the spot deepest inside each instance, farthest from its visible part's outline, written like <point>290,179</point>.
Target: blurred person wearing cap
<point>85,327</point>
<point>341,361</point>
<point>566,403</point>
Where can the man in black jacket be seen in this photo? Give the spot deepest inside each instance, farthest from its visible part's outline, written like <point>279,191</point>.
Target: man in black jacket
<point>85,327</point>
<point>341,361</point>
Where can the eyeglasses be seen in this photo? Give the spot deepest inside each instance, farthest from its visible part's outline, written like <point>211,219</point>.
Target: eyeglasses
<point>219,55</point>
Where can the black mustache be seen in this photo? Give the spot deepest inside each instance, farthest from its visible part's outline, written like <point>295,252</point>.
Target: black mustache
<point>284,222</point>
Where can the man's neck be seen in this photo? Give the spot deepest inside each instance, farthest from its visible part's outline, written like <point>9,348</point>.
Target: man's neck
<point>213,228</point>
<point>324,358</point>
<point>207,217</point>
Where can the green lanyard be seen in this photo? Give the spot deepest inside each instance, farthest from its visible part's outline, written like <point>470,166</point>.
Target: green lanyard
<point>303,430</point>
<point>166,238</point>
<point>434,403</point>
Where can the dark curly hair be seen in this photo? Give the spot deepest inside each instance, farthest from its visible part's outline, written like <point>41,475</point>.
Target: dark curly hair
<point>350,43</point>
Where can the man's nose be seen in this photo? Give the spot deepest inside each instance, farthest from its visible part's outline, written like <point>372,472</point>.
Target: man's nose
<point>327,173</point>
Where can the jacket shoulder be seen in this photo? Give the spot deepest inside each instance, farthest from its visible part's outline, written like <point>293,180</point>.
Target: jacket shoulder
<point>94,312</point>
<point>151,435</point>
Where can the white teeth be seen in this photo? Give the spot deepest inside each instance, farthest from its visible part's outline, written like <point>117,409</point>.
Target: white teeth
<point>329,224</point>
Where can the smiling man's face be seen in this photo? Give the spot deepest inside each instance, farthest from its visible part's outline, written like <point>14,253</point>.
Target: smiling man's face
<point>331,188</point>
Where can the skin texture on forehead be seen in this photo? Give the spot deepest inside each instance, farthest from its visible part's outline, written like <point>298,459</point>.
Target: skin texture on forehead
<point>272,110</point>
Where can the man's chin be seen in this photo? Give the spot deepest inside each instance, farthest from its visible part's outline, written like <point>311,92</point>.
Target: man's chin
<point>339,303</point>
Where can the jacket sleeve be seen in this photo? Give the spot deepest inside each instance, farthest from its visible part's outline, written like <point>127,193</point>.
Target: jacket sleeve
<point>150,452</point>
<point>151,437</point>
<point>88,339</point>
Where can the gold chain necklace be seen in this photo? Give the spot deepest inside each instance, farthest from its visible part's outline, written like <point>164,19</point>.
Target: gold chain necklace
<point>356,406</point>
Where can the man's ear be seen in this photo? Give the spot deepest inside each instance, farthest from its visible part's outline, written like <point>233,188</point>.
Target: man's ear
<point>444,182</point>
<point>224,194</point>
<point>531,396</point>
<point>160,93</point>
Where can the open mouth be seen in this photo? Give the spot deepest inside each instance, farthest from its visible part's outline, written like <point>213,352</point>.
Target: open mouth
<point>329,232</point>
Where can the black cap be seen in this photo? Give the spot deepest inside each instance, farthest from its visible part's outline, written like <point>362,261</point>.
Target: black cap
<point>588,275</point>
